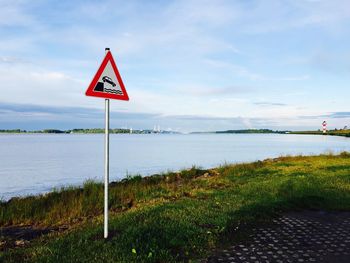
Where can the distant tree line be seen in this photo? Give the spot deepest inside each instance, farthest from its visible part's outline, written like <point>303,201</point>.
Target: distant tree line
<point>25,131</point>
<point>117,130</point>
<point>94,130</point>
<point>252,131</point>
<point>13,131</point>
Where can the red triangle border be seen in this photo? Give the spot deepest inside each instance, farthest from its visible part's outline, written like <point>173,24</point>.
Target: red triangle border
<point>90,91</point>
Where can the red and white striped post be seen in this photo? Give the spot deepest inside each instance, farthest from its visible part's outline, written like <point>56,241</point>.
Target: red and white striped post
<point>324,127</point>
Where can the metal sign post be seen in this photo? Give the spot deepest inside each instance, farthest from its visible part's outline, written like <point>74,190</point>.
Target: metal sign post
<point>107,83</point>
<point>106,167</point>
<point>106,164</point>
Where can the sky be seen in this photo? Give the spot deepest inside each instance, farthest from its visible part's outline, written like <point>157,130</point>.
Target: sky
<point>187,65</point>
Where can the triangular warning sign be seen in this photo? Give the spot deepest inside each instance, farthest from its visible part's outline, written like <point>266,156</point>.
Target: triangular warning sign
<point>107,82</point>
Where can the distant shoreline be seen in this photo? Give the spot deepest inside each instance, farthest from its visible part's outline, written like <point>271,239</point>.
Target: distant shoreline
<point>85,131</point>
<point>343,133</point>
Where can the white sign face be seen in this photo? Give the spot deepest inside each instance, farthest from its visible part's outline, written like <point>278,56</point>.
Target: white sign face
<point>108,82</point>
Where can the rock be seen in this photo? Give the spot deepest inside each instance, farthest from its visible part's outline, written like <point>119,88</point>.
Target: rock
<point>214,173</point>
<point>129,203</point>
<point>178,176</point>
<point>20,242</point>
<point>187,194</point>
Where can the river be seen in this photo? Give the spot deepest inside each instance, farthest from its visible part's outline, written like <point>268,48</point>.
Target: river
<point>36,163</point>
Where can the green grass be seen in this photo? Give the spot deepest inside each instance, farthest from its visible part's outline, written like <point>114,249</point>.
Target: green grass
<point>72,204</point>
<point>176,216</point>
<point>345,133</point>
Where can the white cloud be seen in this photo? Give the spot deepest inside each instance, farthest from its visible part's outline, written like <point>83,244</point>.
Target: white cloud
<point>27,84</point>
<point>278,15</point>
<point>243,71</point>
<point>176,28</point>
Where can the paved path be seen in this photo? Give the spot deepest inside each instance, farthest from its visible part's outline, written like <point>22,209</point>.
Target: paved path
<point>309,236</point>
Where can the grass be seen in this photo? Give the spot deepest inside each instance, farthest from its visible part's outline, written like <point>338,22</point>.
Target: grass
<point>72,204</point>
<point>345,133</point>
<point>176,216</point>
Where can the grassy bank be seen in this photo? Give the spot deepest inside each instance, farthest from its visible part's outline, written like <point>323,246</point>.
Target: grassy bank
<point>176,216</point>
<point>345,133</point>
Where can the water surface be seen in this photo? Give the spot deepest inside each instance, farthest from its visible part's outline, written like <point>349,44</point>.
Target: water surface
<point>35,163</point>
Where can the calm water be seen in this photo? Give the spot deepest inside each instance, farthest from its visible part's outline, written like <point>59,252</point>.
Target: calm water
<point>37,163</point>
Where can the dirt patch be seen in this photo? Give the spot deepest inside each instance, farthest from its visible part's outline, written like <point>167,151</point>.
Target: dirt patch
<point>19,236</point>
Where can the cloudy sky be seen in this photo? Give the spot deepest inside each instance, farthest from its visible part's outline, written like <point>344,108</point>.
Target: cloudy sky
<point>187,65</point>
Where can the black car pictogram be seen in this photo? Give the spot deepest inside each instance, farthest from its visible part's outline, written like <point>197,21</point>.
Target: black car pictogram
<point>108,80</point>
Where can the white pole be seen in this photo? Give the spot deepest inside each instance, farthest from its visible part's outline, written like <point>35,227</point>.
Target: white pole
<point>106,165</point>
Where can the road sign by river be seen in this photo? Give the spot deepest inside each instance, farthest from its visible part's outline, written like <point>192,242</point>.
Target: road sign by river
<point>107,83</point>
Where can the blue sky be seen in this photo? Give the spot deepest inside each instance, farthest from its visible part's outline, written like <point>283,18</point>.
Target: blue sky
<point>187,65</point>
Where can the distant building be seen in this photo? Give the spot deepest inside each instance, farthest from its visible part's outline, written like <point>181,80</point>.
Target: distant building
<point>156,129</point>
<point>324,126</point>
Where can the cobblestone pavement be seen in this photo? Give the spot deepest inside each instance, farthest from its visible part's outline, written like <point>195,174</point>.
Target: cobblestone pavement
<point>309,236</point>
